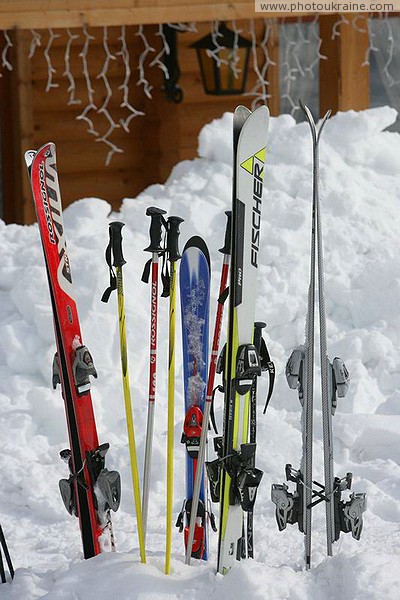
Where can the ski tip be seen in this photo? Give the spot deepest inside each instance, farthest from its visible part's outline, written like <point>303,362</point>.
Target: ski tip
<point>242,111</point>
<point>29,158</point>
<point>197,242</point>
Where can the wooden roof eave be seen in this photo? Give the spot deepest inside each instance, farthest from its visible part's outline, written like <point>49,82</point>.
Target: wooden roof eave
<point>25,14</point>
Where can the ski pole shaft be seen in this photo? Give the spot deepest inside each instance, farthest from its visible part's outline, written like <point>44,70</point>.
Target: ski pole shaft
<point>210,386</point>
<point>119,261</point>
<point>173,256</point>
<point>156,224</point>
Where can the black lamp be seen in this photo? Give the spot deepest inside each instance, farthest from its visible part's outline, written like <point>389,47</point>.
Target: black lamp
<point>230,75</point>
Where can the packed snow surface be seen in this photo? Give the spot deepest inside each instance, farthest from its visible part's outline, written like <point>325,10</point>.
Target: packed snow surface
<point>360,194</point>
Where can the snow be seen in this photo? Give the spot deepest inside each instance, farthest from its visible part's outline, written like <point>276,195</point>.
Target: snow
<point>360,192</point>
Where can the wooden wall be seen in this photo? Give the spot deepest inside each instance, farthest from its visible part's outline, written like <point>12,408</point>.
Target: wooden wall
<point>156,142</point>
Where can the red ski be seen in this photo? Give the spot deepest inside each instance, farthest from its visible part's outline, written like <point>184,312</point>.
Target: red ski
<point>91,491</point>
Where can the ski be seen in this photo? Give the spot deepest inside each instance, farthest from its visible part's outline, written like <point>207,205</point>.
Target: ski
<point>194,285</point>
<point>239,480</point>
<point>296,507</point>
<point>91,491</point>
<point>222,296</point>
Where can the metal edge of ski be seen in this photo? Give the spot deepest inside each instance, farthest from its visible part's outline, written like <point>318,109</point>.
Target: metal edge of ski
<point>239,481</point>
<point>194,283</point>
<point>222,296</point>
<point>173,256</point>
<point>115,261</point>
<point>296,507</point>
<point>91,491</point>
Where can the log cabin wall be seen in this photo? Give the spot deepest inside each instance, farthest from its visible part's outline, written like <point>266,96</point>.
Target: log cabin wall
<point>166,134</point>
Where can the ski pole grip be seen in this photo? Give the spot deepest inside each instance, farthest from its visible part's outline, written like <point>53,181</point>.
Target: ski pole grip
<point>116,243</point>
<point>226,249</point>
<point>173,238</point>
<point>157,222</point>
<point>258,327</point>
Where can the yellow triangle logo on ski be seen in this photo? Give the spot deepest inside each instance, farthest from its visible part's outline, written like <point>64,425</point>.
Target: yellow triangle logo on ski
<point>248,164</point>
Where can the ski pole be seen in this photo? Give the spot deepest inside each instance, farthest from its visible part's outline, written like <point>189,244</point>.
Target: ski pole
<point>156,224</point>
<point>114,249</point>
<point>226,250</point>
<point>173,256</point>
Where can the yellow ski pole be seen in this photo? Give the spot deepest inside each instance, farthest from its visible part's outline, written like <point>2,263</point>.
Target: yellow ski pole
<point>173,255</point>
<point>114,258</point>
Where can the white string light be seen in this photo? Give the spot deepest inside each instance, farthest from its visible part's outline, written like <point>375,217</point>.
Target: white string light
<point>391,80</point>
<point>147,49</point>
<point>372,46</point>
<point>50,69</point>
<point>4,60</point>
<point>104,108</point>
<point>289,71</point>
<point>90,91</point>
<point>67,73</point>
<point>125,86</point>
<point>260,90</point>
<point>318,54</point>
<point>336,26</point>
<point>165,51</point>
<point>35,42</point>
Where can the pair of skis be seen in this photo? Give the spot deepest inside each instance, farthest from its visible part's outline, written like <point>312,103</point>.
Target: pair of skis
<point>296,507</point>
<point>233,477</point>
<point>91,492</point>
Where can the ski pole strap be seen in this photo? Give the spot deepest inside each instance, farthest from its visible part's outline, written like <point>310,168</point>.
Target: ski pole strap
<point>146,271</point>
<point>218,388</point>
<point>226,248</point>
<point>267,365</point>
<point>114,256</point>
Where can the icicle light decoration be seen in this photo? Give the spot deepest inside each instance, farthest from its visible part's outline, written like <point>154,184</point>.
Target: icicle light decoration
<point>90,91</point>
<point>260,90</point>
<point>67,73</point>
<point>125,86</point>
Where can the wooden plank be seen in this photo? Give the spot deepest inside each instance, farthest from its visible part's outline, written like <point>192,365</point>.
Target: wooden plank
<point>94,17</point>
<point>343,80</point>
<point>112,186</point>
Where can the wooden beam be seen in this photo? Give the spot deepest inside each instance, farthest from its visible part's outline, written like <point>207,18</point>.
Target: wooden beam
<point>26,14</point>
<point>344,76</point>
<point>17,130</point>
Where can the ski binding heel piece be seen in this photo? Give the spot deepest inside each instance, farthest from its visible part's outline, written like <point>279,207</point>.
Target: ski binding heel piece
<point>348,514</point>
<point>294,368</point>
<point>248,366</point>
<point>352,514</point>
<point>108,490</point>
<point>286,505</point>
<point>82,368</point>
